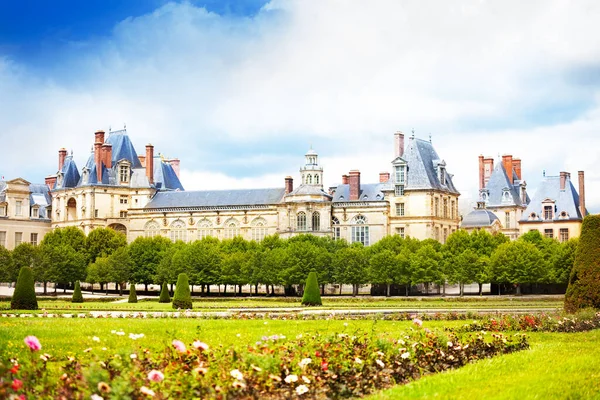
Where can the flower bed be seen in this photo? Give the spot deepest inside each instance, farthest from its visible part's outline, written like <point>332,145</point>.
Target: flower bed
<point>311,366</point>
<point>535,323</point>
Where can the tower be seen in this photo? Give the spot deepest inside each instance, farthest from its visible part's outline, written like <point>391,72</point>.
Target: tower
<point>312,172</point>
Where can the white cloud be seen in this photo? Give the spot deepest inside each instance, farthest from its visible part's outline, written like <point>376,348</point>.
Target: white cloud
<point>482,77</point>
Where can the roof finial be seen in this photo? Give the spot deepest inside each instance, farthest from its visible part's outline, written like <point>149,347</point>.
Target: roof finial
<point>429,137</point>
<point>124,126</point>
<point>109,128</point>
<point>544,173</point>
<point>71,152</point>
<point>413,133</point>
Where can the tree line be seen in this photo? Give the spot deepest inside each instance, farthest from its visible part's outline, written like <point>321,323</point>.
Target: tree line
<point>66,255</point>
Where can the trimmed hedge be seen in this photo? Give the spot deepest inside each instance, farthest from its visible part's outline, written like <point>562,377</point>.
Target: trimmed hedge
<point>132,294</point>
<point>77,296</point>
<point>24,295</point>
<point>164,294</point>
<point>584,283</point>
<point>312,295</point>
<point>182,298</point>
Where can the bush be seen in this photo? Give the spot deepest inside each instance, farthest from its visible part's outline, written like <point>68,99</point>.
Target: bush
<point>132,294</point>
<point>164,294</point>
<point>584,283</point>
<point>312,296</point>
<point>77,297</point>
<point>24,295</point>
<point>182,297</point>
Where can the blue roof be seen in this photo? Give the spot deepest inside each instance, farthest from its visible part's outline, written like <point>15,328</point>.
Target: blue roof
<point>422,160</point>
<point>566,200</point>
<point>216,198</point>
<point>478,219</point>
<point>497,183</point>
<point>368,192</point>
<point>165,176</point>
<point>122,148</point>
<point>70,174</point>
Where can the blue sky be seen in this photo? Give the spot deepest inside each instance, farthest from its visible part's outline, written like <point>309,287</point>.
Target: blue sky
<point>239,90</point>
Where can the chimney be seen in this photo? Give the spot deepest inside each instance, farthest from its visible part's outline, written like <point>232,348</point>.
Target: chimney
<point>175,164</point>
<point>142,160</point>
<point>488,168</point>
<point>481,171</point>
<point>150,163</point>
<point>582,194</point>
<point>384,177</point>
<point>563,180</point>
<point>99,137</point>
<point>107,155</point>
<point>50,181</point>
<point>517,168</point>
<point>354,180</point>
<point>344,179</point>
<point>507,161</point>
<point>289,184</point>
<point>62,154</point>
<point>399,144</point>
<point>98,160</point>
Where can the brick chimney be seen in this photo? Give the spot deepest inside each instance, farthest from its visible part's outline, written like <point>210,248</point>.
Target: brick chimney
<point>517,168</point>
<point>98,141</point>
<point>62,154</point>
<point>488,168</point>
<point>344,179</point>
<point>289,184</point>
<point>107,155</point>
<point>142,160</point>
<point>563,180</point>
<point>384,177</point>
<point>507,161</point>
<point>175,163</point>
<point>399,144</point>
<point>150,163</point>
<point>582,194</point>
<point>50,181</point>
<point>354,181</point>
<point>481,172</point>
<point>99,136</point>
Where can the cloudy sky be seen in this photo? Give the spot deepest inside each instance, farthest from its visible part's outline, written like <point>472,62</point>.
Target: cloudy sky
<point>239,90</point>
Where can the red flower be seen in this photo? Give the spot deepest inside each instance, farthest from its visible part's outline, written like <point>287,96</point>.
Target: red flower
<point>317,353</point>
<point>324,365</point>
<point>17,384</point>
<point>14,369</point>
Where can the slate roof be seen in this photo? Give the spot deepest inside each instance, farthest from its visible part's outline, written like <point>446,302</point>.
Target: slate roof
<point>478,219</point>
<point>70,173</point>
<point>39,195</point>
<point>368,192</point>
<point>422,161</point>
<point>122,148</point>
<point>565,200</point>
<point>308,190</point>
<point>497,183</point>
<point>165,177</point>
<point>216,198</point>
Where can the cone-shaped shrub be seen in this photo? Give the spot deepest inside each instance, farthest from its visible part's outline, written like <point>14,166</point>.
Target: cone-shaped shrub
<point>164,294</point>
<point>24,295</point>
<point>182,298</point>
<point>584,283</point>
<point>77,297</point>
<point>312,295</point>
<point>132,294</point>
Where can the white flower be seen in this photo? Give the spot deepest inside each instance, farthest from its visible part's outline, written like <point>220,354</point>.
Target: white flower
<point>147,391</point>
<point>96,397</point>
<point>449,344</point>
<point>305,379</point>
<point>380,363</point>
<point>405,355</point>
<point>96,339</point>
<point>358,360</point>
<point>200,345</point>
<point>300,390</point>
<point>133,356</point>
<point>305,361</point>
<point>121,333</point>
<point>238,335</point>
<point>345,324</point>
<point>291,378</point>
<point>236,374</point>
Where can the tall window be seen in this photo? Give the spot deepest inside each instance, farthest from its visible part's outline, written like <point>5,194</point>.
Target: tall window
<point>400,209</point>
<point>301,221</point>
<point>399,174</point>
<point>360,230</point>
<point>33,239</point>
<point>124,173</point>
<point>3,238</point>
<point>178,231</point>
<point>452,208</point>
<point>35,212</point>
<point>564,234</point>
<point>309,179</point>
<point>18,208</point>
<point>445,235</point>
<point>400,232</point>
<point>547,212</point>
<point>549,233</point>
<point>335,224</point>
<point>18,238</point>
<point>399,190</point>
<point>205,229</point>
<point>436,206</point>
<point>507,220</point>
<point>316,179</point>
<point>2,211</point>
<point>151,229</point>
<point>316,221</point>
<point>259,229</point>
<point>443,175</point>
<point>445,208</point>
<point>232,228</point>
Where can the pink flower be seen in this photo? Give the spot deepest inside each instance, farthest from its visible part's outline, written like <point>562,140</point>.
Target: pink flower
<point>155,376</point>
<point>178,344</point>
<point>418,322</point>
<point>17,384</point>
<point>33,343</point>
<point>200,345</point>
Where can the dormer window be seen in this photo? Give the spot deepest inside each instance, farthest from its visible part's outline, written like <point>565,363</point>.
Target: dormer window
<point>505,195</point>
<point>124,173</point>
<point>85,176</point>
<point>59,179</point>
<point>484,195</point>
<point>35,212</point>
<point>18,208</point>
<point>2,210</point>
<point>443,176</point>
<point>399,174</point>
<point>548,212</point>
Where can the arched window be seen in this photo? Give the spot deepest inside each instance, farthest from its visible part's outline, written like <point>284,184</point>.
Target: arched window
<point>360,230</point>
<point>151,229</point>
<point>316,179</point>
<point>178,231</point>
<point>232,228</point>
<point>301,221</point>
<point>335,224</point>
<point>71,210</point>
<point>309,179</point>
<point>316,221</point>
<point>259,229</point>
<point>205,229</point>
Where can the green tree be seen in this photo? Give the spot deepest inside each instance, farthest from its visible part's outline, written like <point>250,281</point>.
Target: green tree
<point>25,255</point>
<point>5,265</point>
<point>584,283</point>
<point>425,265</point>
<point>24,295</point>
<point>92,275</point>
<point>77,296</point>
<point>103,242</point>
<point>120,265</point>
<point>351,267</point>
<point>232,267</point>
<point>182,297</point>
<point>164,294</point>
<point>146,255</point>
<point>272,262</point>
<point>384,269</point>
<point>563,259</point>
<point>63,264</point>
<point>132,294</point>
<point>69,236</point>
<point>517,263</point>
<point>166,271</point>
<point>312,296</point>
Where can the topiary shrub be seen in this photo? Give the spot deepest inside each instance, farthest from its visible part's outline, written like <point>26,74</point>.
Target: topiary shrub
<point>24,295</point>
<point>584,282</point>
<point>132,294</point>
<point>312,295</point>
<point>182,297</point>
<point>77,296</point>
<point>164,294</point>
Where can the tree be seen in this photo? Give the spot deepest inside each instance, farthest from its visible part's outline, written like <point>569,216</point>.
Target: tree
<point>63,264</point>
<point>132,294</point>
<point>146,255</point>
<point>584,283</point>
<point>24,295</point>
<point>517,263</point>
<point>351,267</point>
<point>5,265</point>
<point>384,269</point>
<point>563,259</point>
<point>77,296</point>
<point>232,267</point>
<point>103,242</point>
<point>120,265</point>
<point>182,297</point>
<point>25,255</point>
<point>92,276</point>
<point>165,271</point>
<point>425,266</point>
<point>102,272</point>
<point>311,296</point>
<point>164,294</point>
<point>70,236</point>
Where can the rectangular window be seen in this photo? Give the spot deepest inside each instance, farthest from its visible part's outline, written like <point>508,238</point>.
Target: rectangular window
<point>400,209</point>
<point>123,199</point>
<point>507,220</point>
<point>18,238</point>
<point>400,232</point>
<point>549,233</point>
<point>399,190</point>
<point>3,238</point>
<point>399,174</point>
<point>360,234</point>
<point>123,214</point>
<point>35,213</point>
<point>445,235</point>
<point>436,233</point>
<point>547,212</point>
<point>445,208</point>
<point>124,173</point>
<point>33,239</point>
<point>18,208</point>
<point>564,234</point>
<point>2,211</point>
<point>95,213</point>
<point>452,210</point>
<point>436,208</point>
